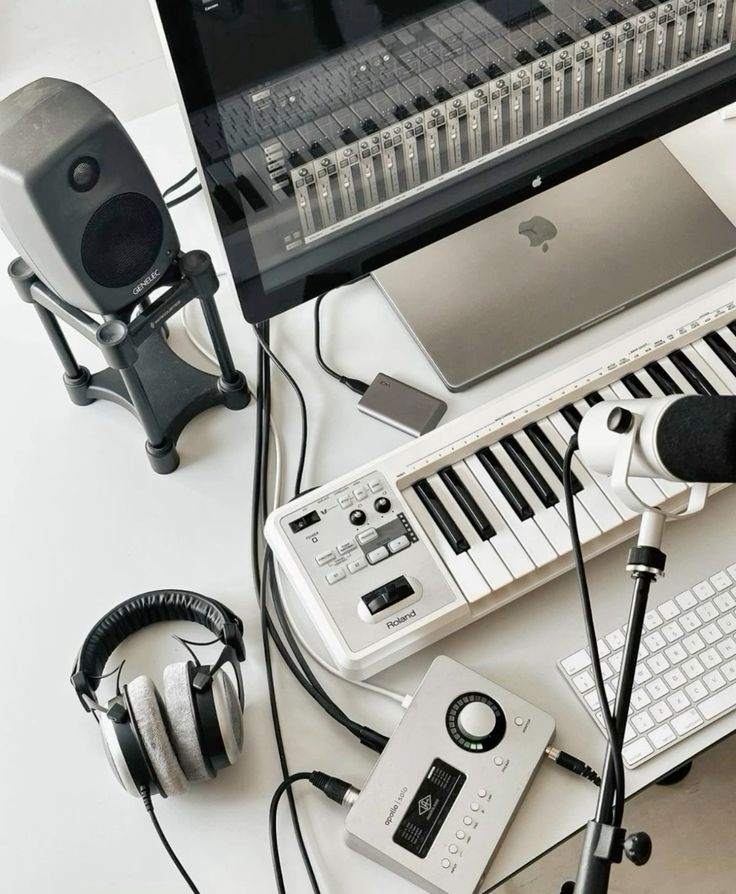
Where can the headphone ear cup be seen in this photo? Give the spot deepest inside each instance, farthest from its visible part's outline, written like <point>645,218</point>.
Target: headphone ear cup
<point>149,717</point>
<point>229,715</point>
<point>183,724</point>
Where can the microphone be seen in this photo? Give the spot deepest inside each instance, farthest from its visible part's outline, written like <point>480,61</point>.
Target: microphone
<point>688,438</point>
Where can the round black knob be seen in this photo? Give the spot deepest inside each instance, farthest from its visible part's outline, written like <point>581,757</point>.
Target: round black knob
<point>620,421</point>
<point>382,504</point>
<point>84,173</point>
<point>357,517</point>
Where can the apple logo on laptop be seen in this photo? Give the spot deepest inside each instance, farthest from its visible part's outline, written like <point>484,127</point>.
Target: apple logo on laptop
<point>539,231</point>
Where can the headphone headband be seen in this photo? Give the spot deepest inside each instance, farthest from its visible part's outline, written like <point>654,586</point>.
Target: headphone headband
<point>141,611</point>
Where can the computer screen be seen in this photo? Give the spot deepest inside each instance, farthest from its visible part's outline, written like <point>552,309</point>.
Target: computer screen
<point>338,135</point>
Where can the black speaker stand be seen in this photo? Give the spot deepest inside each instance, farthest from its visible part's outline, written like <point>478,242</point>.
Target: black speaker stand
<point>143,374</point>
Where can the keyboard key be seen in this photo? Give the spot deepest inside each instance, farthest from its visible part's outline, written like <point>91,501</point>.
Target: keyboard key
<point>583,682</point>
<point>577,662</point>
<point>717,704</point>
<point>636,751</point>
<point>687,722</point>
<point>661,736</point>
<point>714,681</point>
<point>686,600</point>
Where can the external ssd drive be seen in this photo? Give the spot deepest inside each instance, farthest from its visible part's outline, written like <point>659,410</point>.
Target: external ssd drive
<point>398,404</point>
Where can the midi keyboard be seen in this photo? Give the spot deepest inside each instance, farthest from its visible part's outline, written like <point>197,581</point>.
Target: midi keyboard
<point>449,527</point>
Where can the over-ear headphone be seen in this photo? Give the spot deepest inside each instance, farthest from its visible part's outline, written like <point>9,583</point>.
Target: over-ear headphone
<point>160,745</point>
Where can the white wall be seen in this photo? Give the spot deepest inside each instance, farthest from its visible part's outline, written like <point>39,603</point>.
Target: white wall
<point>109,46</point>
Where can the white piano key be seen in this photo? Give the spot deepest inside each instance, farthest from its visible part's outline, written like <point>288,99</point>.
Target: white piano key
<point>550,522</point>
<point>471,582</point>
<point>566,433</point>
<point>505,542</point>
<point>598,504</point>
<point>481,551</point>
<point>527,532</point>
<point>587,528</point>
<point>717,365</point>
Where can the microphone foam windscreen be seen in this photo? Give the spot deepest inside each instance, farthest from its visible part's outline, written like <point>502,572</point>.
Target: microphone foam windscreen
<point>696,439</point>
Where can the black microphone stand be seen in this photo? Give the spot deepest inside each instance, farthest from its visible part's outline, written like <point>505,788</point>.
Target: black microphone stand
<point>605,841</point>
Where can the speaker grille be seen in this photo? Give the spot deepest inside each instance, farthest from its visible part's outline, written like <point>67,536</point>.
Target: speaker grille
<point>122,240</point>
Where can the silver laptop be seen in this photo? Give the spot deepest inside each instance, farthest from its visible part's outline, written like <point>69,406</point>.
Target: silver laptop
<point>502,289</point>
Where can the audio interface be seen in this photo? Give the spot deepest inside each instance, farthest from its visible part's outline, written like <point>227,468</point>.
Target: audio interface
<point>445,789</point>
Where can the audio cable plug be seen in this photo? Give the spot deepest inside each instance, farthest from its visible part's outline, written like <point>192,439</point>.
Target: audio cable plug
<point>573,764</point>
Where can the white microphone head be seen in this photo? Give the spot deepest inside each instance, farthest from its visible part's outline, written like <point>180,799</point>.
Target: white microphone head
<point>603,426</point>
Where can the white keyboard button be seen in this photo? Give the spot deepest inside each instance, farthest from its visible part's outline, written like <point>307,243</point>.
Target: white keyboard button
<point>703,590</point>
<point>642,722</point>
<point>693,643</point>
<point>714,681</point>
<point>686,600</point>
<point>655,641</point>
<point>615,660</point>
<point>367,535</point>
<point>711,634</point>
<point>661,712</point>
<point>583,682</point>
<point>687,722</point>
<point>658,664</point>
<point>377,555</point>
<point>334,576</point>
<point>721,581</point>
<point>678,701</point>
<point>707,611</point>
<point>593,701</point>
<point>727,647</point>
<point>642,674</point>
<point>636,751</point>
<point>657,689</point>
<point>669,610</point>
<point>729,670</point>
<point>696,690</point>
<point>718,703</point>
<point>690,621</point>
<point>662,736</point>
<point>639,699</point>
<point>675,653</point>
<point>724,602</point>
<point>575,663</point>
<point>710,658</point>
<point>672,632</point>
<point>652,619</point>
<point>616,639</point>
<point>675,678</point>
<point>727,623</point>
<point>693,668</point>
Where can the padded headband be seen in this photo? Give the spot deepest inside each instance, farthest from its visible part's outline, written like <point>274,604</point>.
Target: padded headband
<point>141,611</point>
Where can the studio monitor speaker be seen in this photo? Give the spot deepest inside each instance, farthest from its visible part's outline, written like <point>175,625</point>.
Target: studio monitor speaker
<point>77,200</point>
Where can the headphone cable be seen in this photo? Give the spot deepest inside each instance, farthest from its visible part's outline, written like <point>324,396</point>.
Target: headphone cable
<point>148,804</point>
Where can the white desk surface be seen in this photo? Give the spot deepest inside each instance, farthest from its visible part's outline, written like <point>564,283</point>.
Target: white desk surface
<point>85,523</point>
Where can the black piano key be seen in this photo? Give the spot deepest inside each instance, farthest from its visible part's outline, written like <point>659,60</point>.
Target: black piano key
<point>720,348</point>
<point>442,94</point>
<point>690,372</point>
<point>466,501</point>
<point>252,196</point>
<point>635,387</point>
<point>663,379</point>
<point>533,477</point>
<point>593,398</point>
<point>441,517</point>
<point>421,103</point>
<point>510,491</point>
<point>551,455</point>
<point>572,416</point>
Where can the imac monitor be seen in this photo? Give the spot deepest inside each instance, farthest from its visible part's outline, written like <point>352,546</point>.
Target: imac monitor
<point>337,136</point>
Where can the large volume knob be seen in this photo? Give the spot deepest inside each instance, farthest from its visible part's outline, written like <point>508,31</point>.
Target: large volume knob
<point>475,722</point>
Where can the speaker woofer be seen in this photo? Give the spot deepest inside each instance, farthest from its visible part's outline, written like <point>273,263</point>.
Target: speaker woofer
<point>122,240</point>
